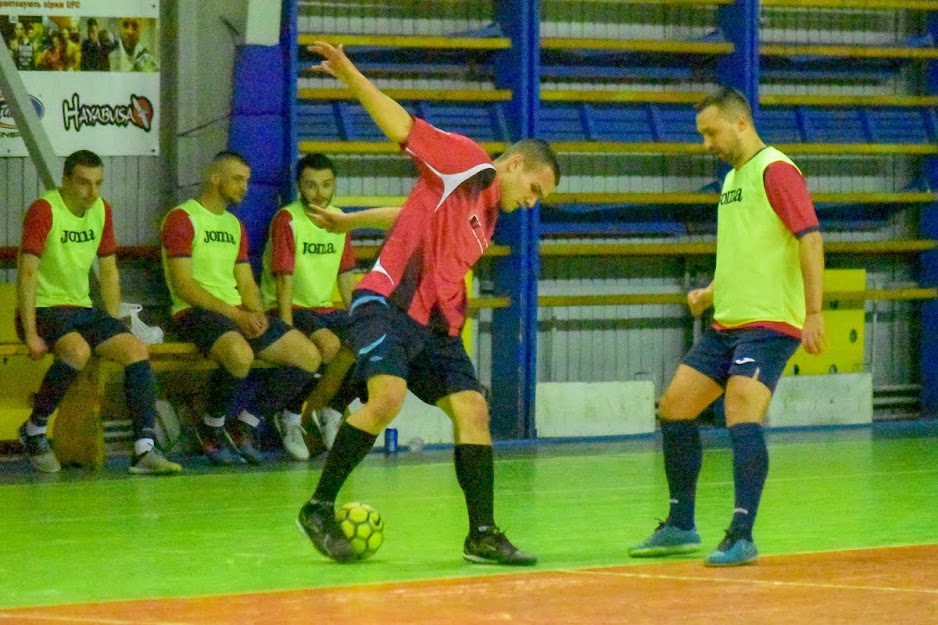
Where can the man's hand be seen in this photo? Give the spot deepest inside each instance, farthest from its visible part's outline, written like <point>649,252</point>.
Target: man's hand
<point>330,221</point>
<point>37,347</point>
<point>335,62</point>
<point>252,324</point>
<point>700,300</point>
<point>812,334</point>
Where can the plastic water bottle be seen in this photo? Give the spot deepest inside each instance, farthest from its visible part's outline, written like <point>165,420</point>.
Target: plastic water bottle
<point>415,445</point>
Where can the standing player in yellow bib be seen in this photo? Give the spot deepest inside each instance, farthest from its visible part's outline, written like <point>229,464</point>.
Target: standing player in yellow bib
<point>301,267</point>
<point>217,306</point>
<point>63,232</point>
<point>766,294</point>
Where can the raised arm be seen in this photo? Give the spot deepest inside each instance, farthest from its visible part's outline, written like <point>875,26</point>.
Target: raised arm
<point>390,116</point>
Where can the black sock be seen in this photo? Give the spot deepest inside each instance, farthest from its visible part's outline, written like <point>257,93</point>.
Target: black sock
<point>750,470</point>
<point>475,471</point>
<point>53,388</point>
<point>222,393</point>
<point>347,393</point>
<point>140,394</point>
<point>277,389</point>
<point>350,447</point>
<point>296,404</point>
<point>683,457</point>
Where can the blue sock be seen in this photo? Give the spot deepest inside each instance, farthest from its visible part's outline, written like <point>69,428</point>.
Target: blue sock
<point>750,469</point>
<point>683,457</point>
<point>140,394</point>
<point>54,385</point>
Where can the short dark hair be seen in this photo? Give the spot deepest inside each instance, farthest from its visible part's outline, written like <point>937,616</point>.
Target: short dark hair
<point>728,100</point>
<point>230,155</point>
<point>314,161</point>
<point>536,152</point>
<point>91,22</point>
<point>83,158</point>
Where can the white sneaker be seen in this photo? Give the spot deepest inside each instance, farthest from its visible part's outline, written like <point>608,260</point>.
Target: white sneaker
<point>291,433</point>
<point>329,420</point>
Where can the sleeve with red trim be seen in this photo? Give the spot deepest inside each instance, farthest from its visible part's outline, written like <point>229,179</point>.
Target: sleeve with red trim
<point>283,244</point>
<point>36,227</point>
<point>243,250</point>
<point>788,194</point>
<point>348,262</point>
<point>108,243</point>
<point>177,234</point>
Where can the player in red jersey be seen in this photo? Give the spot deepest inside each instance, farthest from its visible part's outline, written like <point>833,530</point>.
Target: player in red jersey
<point>408,311</point>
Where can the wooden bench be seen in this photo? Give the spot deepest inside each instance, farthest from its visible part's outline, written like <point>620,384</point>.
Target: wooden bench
<point>78,433</point>
<point>78,427</point>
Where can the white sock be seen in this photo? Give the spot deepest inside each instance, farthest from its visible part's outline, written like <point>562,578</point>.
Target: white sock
<point>291,418</point>
<point>214,422</point>
<point>249,419</point>
<point>34,430</point>
<point>143,445</point>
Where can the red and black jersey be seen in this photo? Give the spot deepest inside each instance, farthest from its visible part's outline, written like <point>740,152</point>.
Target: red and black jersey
<point>443,228</point>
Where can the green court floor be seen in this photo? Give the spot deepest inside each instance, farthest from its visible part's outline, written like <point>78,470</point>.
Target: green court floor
<point>78,537</point>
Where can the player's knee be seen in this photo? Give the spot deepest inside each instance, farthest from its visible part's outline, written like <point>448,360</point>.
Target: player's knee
<point>135,351</point>
<point>668,408</point>
<point>474,412</point>
<point>386,404</point>
<point>238,360</point>
<point>76,354</point>
<point>327,343</point>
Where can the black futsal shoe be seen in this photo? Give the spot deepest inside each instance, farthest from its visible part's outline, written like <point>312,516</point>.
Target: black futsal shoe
<point>490,546</point>
<point>317,520</point>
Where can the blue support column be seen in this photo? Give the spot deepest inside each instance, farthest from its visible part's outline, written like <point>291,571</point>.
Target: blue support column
<point>290,47</point>
<point>260,127</point>
<point>514,329</point>
<point>929,264</point>
<point>739,22</point>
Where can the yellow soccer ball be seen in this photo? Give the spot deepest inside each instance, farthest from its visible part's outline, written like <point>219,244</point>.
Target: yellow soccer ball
<point>363,526</point>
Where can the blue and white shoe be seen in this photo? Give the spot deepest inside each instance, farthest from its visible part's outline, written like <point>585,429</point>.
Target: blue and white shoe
<point>667,540</point>
<point>733,551</point>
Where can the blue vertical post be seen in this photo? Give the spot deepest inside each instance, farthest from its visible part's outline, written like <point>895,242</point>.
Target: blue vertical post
<point>260,127</point>
<point>290,50</point>
<point>739,22</point>
<point>514,329</point>
<point>929,264</point>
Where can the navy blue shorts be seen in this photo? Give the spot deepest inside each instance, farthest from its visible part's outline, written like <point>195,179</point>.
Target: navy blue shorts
<point>757,353</point>
<point>307,320</point>
<point>387,341</point>
<point>95,326</point>
<point>204,327</point>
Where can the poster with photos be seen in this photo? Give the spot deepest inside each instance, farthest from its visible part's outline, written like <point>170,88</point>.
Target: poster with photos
<point>92,72</point>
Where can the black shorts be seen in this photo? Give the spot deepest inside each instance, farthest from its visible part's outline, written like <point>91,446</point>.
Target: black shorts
<point>307,320</point>
<point>204,327</point>
<point>757,353</point>
<point>54,322</point>
<point>388,341</point>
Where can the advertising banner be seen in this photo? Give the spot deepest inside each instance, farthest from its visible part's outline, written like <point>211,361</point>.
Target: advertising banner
<point>91,68</point>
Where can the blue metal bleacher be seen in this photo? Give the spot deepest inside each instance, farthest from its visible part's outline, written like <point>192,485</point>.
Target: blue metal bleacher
<point>346,121</point>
